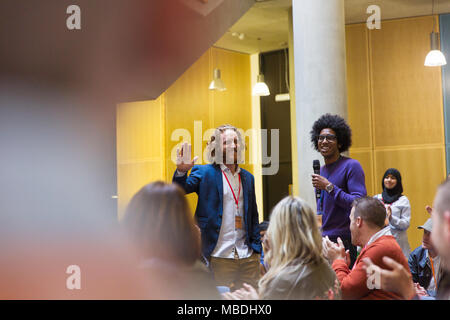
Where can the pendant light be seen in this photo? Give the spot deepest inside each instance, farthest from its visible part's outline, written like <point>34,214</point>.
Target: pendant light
<point>260,88</point>
<point>434,58</point>
<point>217,83</point>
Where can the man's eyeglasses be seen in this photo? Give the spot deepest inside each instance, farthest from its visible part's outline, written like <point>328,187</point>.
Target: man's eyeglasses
<point>329,137</point>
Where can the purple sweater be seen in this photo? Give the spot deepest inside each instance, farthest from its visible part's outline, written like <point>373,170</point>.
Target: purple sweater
<point>347,176</point>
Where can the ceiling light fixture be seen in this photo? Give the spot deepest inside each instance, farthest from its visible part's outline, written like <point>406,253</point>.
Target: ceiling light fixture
<point>260,88</point>
<point>217,83</point>
<point>434,58</point>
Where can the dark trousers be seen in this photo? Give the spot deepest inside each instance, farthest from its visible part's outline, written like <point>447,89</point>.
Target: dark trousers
<point>348,246</point>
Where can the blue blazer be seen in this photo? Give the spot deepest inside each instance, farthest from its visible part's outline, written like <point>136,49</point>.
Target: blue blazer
<point>206,181</point>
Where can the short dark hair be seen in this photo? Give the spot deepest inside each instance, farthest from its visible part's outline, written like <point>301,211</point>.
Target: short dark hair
<point>338,125</point>
<point>443,197</point>
<point>370,210</point>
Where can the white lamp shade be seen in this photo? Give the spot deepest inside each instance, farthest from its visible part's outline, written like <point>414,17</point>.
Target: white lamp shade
<point>260,88</point>
<point>217,83</point>
<point>435,58</point>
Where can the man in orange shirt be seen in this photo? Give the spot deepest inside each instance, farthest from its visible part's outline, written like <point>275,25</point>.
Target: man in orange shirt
<point>367,229</point>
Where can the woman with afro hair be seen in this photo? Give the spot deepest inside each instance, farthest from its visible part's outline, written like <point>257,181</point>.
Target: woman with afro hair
<point>341,179</point>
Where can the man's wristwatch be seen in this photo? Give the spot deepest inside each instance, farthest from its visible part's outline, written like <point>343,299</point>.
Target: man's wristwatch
<point>329,187</point>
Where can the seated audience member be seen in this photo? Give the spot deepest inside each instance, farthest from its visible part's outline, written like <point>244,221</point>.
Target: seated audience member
<point>424,263</point>
<point>161,225</point>
<point>262,231</point>
<point>396,278</point>
<point>398,205</point>
<point>297,269</point>
<point>367,219</point>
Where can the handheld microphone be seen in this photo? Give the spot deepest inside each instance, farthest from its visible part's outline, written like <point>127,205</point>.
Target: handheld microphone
<point>316,168</point>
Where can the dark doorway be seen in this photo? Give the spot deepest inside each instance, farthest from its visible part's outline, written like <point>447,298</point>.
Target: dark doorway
<point>276,115</point>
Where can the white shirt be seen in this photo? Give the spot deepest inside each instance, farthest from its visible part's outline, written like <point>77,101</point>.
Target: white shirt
<point>436,265</point>
<point>230,238</point>
<point>386,231</point>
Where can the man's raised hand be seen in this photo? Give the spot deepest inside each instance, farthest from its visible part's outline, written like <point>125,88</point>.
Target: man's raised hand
<point>184,162</point>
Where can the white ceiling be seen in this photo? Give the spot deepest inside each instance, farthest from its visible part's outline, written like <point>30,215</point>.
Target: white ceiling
<point>268,20</point>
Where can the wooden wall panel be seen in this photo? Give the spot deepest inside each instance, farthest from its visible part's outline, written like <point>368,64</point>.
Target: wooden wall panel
<point>407,96</point>
<point>422,169</point>
<point>187,100</point>
<point>140,147</point>
<point>358,86</point>
<point>444,26</point>
<point>365,158</point>
<point>132,177</point>
<point>138,123</point>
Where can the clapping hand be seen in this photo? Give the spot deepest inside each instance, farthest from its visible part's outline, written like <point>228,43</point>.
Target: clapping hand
<point>246,293</point>
<point>333,251</point>
<point>420,290</point>
<point>184,162</point>
<point>388,215</point>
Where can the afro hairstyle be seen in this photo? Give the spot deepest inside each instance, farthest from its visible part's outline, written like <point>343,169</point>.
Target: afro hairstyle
<point>338,125</point>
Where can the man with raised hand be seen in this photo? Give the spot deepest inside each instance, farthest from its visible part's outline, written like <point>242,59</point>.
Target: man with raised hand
<point>226,209</point>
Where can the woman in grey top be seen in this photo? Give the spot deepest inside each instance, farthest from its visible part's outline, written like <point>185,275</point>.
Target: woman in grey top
<point>296,267</point>
<point>400,216</point>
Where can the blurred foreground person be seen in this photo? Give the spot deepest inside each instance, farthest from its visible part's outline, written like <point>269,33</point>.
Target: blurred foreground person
<point>48,255</point>
<point>297,269</point>
<point>397,279</point>
<point>161,225</point>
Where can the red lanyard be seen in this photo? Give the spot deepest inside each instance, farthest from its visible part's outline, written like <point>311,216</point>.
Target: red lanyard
<point>236,200</point>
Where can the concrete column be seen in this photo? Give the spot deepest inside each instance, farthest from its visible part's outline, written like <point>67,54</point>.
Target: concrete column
<point>318,34</point>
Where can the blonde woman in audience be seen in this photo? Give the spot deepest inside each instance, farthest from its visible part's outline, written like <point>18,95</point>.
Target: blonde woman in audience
<point>297,269</point>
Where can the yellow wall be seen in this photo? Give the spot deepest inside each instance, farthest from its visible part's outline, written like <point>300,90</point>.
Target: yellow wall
<point>395,110</point>
<point>144,129</point>
<point>140,155</point>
